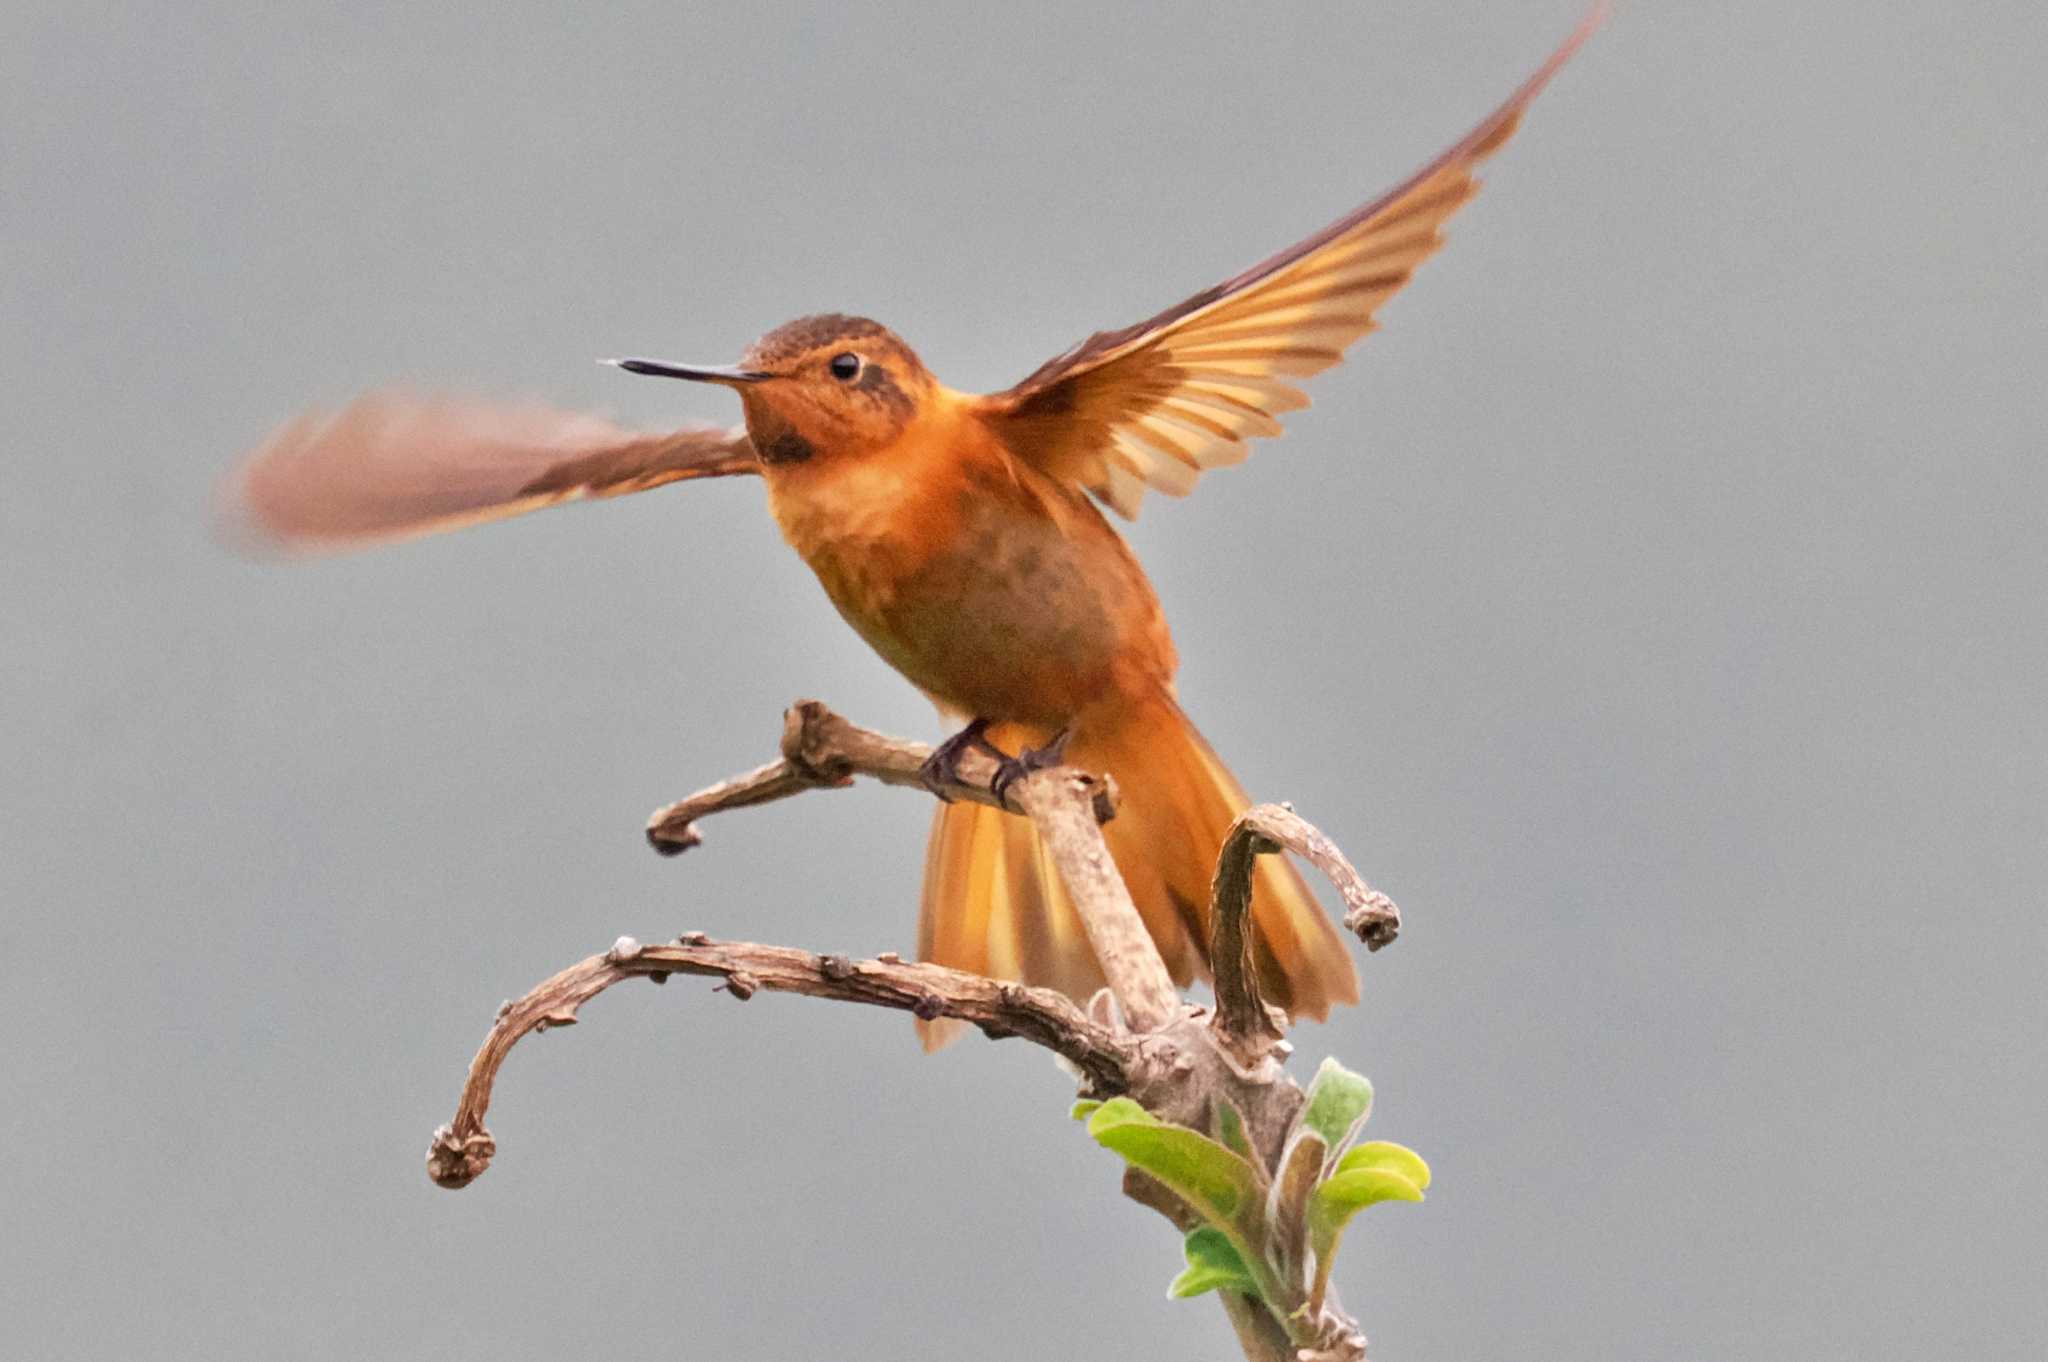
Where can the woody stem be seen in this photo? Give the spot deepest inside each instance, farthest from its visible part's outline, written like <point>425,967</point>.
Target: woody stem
<point>822,750</point>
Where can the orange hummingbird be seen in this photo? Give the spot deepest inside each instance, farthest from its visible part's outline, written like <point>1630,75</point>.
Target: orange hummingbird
<point>960,535</point>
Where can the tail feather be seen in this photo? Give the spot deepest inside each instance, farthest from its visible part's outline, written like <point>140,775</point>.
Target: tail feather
<point>994,904</point>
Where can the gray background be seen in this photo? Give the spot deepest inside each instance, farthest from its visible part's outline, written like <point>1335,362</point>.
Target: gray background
<point>1654,608</point>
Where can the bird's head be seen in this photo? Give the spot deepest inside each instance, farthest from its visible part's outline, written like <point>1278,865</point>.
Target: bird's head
<point>829,387</point>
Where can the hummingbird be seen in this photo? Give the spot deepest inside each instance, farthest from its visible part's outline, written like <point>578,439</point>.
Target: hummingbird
<point>963,536</point>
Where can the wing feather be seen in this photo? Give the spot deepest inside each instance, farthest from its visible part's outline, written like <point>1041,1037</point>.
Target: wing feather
<point>1154,404</point>
<point>396,465</point>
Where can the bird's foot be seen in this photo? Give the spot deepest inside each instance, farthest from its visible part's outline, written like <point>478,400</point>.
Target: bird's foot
<point>1014,769</point>
<point>942,768</point>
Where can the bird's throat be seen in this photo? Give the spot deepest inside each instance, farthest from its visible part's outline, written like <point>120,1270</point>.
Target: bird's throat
<point>784,446</point>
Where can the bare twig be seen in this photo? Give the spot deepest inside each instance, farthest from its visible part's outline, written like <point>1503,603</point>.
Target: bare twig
<point>821,750</point>
<point>463,1148</point>
<point>1244,1025</point>
<point>1369,915</point>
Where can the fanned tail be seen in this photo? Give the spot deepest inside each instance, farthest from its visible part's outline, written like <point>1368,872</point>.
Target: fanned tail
<point>993,903</point>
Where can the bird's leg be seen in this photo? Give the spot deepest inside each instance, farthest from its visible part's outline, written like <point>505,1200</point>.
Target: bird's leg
<point>942,767</point>
<point>1014,769</point>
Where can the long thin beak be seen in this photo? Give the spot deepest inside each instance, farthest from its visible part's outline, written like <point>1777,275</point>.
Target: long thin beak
<point>728,374</point>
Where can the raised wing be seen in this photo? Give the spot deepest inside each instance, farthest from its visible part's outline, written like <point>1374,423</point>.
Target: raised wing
<point>396,465</point>
<point>1159,403</point>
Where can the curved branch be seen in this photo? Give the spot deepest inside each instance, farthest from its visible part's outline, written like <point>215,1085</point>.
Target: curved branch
<point>1369,915</point>
<point>463,1149</point>
<point>1244,1025</point>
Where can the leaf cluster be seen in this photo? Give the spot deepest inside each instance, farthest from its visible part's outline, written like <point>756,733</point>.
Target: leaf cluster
<point>1270,1234</point>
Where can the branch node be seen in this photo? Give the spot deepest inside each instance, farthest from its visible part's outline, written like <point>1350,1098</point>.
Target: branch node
<point>625,950</point>
<point>928,1007</point>
<point>740,984</point>
<point>810,744</point>
<point>1103,795</point>
<point>835,967</point>
<point>693,939</point>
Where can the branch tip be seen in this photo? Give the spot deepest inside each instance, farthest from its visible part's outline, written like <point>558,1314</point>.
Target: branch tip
<point>458,1160</point>
<point>673,841</point>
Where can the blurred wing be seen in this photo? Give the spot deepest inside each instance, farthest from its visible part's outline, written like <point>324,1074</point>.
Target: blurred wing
<point>1159,403</point>
<point>396,465</point>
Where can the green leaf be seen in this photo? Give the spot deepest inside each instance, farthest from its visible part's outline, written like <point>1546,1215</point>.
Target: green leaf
<point>1366,1176</point>
<point>1346,1194</point>
<point>1338,1103</point>
<point>1385,1154</point>
<point>1215,1182</point>
<point>1230,1130</point>
<point>1083,1109</point>
<point>1213,1264</point>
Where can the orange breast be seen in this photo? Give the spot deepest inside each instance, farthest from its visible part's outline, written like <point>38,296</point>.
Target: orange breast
<point>992,589</point>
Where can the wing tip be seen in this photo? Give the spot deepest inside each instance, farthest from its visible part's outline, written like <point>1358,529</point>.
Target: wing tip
<point>241,516</point>
<point>1595,17</point>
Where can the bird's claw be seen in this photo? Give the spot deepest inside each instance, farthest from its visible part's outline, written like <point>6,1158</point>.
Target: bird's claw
<point>942,768</point>
<point>1013,769</point>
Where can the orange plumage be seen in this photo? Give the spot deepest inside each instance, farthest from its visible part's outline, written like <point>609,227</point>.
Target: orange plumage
<point>960,535</point>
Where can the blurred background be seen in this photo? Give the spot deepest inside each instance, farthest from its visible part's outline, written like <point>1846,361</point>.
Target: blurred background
<point>1654,609</point>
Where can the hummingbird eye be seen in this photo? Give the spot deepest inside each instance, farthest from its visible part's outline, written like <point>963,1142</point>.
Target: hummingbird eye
<point>845,365</point>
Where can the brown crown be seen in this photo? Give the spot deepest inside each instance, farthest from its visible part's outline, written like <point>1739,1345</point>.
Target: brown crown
<point>793,340</point>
